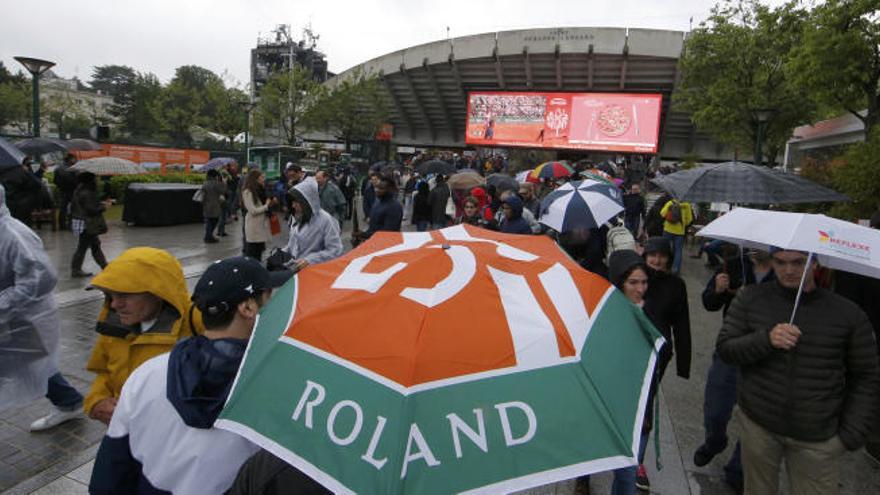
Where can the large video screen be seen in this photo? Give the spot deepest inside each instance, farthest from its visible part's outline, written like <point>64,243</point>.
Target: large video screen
<point>590,121</point>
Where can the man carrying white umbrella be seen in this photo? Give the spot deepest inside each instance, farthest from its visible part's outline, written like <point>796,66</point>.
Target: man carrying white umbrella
<point>808,377</point>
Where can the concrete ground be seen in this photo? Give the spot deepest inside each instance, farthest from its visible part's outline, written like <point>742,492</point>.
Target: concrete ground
<point>60,460</point>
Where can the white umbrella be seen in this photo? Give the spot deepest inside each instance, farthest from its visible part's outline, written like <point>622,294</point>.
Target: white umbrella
<point>585,204</point>
<point>835,243</point>
<point>108,165</point>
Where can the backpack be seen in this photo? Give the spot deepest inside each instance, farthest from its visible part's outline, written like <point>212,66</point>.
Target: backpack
<point>673,214</point>
<point>618,238</point>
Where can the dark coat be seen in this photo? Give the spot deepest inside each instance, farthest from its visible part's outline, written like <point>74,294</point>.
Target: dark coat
<point>65,180</point>
<point>825,385</point>
<point>421,208</point>
<point>265,474</point>
<point>85,204</point>
<point>386,215</point>
<point>666,304</point>
<point>633,205</point>
<point>864,291</point>
<point>369,198</point>
<point>23,192</point>
<point>212,204</point>
<point>438,199</point>
<point>733,266</point>
<point>516,224</point>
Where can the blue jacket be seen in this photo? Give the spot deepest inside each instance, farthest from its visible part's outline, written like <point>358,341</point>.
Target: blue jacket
<point>385,215</point>
<point>516,224</point>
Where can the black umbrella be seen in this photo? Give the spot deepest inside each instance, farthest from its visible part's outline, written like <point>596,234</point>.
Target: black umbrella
<point>502,182</point>
<point>742,183</point>
<point>436,167</point>
<point>10,156</point>
<point>608,167</point>
<point>80,144</point>
<point>39,146</point>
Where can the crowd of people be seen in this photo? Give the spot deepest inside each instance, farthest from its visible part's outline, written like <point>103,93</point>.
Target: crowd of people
<point>164,360</point>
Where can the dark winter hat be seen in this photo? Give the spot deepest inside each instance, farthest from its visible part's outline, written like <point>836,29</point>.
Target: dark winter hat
<point>622,262</point>
<point>228,282</point>
<point>658,245</point>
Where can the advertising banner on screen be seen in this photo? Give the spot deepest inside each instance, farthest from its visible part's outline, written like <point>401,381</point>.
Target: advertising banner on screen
<point>589,121</point>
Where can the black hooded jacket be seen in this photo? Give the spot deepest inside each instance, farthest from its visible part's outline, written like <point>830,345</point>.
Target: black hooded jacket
<point>666,304</point>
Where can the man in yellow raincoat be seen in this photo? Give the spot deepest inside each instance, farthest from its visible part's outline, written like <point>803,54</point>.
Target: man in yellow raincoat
<point>147,310</point>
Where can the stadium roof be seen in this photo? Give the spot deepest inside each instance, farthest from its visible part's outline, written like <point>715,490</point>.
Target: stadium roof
<point>428,84</point>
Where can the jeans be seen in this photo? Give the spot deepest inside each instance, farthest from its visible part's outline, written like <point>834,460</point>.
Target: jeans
<point>440,225</point>
<point>719,400</point>
<point>62,394</point>
<point>677,246</point>
<point>422,225</point>
<point>86,242</point>
<point>624,481</point>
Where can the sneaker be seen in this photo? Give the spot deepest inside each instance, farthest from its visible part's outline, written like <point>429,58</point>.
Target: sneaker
<point>704,454</point>
<point>80,274</point>
<point>55,418</point>
<point>212,240</point>
<point>642,482</point>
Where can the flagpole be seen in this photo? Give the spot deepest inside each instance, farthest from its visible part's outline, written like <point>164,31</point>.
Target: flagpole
<point>800,291</point>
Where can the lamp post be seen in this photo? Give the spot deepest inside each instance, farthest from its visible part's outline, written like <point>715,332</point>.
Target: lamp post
<point>36,67</point>
<point>248,107</point>
<point>762,116</point>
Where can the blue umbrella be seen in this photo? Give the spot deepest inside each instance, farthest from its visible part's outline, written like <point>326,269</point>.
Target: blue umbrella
<point>584,204</point>
<point>10,155</point>
<point>219,162</point>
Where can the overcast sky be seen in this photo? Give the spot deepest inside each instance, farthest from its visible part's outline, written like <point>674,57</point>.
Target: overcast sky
<point>159,35</point>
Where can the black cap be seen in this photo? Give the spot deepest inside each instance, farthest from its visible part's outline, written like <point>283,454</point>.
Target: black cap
<point>620,262</point>
<point>658,245</point>
<point>228,282</point>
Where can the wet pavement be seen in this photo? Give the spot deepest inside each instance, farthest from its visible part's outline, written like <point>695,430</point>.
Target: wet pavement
<point>59,460</point>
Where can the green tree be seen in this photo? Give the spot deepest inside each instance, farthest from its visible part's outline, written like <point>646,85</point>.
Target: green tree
<point>285,102</point>
<point>180,107</point>
<point>733,65</point>
<point>838,62</point>
<point>353,110</point>
<point>135,98</point>
<point>113,80</point>
<point>62,109</point>
<point>231,119</point>
<point>15,98</point>
<point>858,176</point>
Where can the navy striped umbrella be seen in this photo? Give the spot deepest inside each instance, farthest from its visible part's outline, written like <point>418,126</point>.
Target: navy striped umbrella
<point>584,204</point>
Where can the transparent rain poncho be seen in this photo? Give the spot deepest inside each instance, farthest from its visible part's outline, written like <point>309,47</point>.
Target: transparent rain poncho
<point>29,324</point>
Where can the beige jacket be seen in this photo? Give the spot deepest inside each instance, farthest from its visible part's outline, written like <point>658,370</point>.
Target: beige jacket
<point>256,223</point>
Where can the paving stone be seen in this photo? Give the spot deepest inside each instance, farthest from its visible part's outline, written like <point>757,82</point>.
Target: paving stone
<point>83,473</point>
<point>63,486</point>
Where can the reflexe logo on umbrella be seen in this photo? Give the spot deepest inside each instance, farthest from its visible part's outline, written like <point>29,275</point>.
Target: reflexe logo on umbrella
<point>449,361</point>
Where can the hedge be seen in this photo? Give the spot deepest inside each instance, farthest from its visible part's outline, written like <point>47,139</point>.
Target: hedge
<point>119,183</point>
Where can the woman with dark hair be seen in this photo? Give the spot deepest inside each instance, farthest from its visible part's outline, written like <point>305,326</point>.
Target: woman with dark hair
<point>256,223</point>
<point>213,197</point>
<point>629,273</point>
<point>421,216</point>
<point>87,223</point>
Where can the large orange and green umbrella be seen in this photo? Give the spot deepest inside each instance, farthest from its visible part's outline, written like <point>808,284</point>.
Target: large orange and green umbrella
<point>446,361</point>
